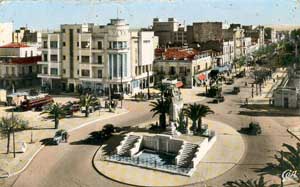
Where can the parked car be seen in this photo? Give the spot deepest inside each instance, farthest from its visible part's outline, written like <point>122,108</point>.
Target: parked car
<point>252,129</point>
<point>117,95</point>
<point>236,90</point>
<point>60,136</point>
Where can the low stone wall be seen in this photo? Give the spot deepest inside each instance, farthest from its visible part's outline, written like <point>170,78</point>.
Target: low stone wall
<point>202,150</point>
<point>162,143</point>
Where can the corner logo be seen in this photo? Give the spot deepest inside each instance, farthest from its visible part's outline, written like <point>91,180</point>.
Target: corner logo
<point>289,175</point>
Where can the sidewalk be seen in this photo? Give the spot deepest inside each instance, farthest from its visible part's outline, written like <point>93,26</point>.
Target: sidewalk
<point>268,88</point>
<point>43,131</point>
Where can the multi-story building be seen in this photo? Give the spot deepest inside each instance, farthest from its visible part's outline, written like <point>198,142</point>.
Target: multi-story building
<point>6,30</point>
<point>24,35</point>
<point>228,52</point>
<point>18,66</point>
<point>187,65</point>
<point>170,32</point>
<point>203,32</point>
<point>257,34</point>
<point>88,56</point>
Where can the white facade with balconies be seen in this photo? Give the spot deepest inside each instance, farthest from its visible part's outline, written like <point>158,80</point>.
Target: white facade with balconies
<point>95,57</point>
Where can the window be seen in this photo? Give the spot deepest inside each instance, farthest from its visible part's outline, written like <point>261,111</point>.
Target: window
<point>77,44</point>
<point>146,41</point>
<point>100,73</point>
<point>64,44</point>
<point>53,44</point>
<point>45,45</point>
<point>85,59</point>
<point>85,73</point>
<point>53,58</point>
<point>64,57</point>
<point>54,71</point>
<point>13,71</point>
<point>99,45</point>
<point>31,53</point>
<point>182,70</point>
<point>45,57</point>
<point>99,59</point>
<point>25,53</point>
<point>115,45</point>
<point>85,45</point>
<point>63,30</point>
<point>64,71</point>
<point>45,69</point>
<point>172,70</point>
<point>78,30</point>
<point>77,57</point>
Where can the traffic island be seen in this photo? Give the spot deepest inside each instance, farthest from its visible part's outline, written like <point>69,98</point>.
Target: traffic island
<point>223,155</point>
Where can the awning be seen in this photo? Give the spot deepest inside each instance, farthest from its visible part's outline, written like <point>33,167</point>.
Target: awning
<point>179,84</point>
<point>202,77</point>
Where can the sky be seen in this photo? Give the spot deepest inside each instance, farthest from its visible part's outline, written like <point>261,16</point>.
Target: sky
<point>49,14</point>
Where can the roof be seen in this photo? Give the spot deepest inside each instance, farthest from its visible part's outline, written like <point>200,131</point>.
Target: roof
<point>178,54</point>
<point>23,60</point>
<point>14,45</point>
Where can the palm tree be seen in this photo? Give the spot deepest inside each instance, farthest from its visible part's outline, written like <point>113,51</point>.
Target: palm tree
<point>195,112</point>
<point>286,160</point>
<point>87,101</point>
<point>161,107</point>
<point>55,111</point>
<point>182,124</point>
<point>249,183</point>
<point>203,110</point>
<point>9,125</point>
<point>192,112</point>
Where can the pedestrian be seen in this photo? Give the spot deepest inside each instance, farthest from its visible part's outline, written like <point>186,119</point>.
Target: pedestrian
<point>66,136</point>
<point>246,84</point>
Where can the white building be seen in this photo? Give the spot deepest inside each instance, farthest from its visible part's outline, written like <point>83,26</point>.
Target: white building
<point>96,57</point>
<point>6,30</point>
<point>228,52</point>
<point>18,66</point>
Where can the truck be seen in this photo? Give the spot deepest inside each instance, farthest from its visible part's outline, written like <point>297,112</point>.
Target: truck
<point>36,102</point>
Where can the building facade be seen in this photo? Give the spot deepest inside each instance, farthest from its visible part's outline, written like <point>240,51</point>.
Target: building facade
<point>169,32</point>
<point>24,35</point>
<point>88,56</point>
<point>18,66</point>
<point>187,65</point>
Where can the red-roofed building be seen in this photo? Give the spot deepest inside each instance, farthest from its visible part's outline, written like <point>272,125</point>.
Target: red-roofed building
<point>18,65</point>
<point>183,64</point>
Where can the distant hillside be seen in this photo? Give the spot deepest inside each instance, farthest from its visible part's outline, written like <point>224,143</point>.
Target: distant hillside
<point>284,27</point>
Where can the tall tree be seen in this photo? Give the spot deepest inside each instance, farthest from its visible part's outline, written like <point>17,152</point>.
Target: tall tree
<point>203,110</point>
<point>86,101</point>
<point>192,112</point>
<point>9,125</point>
<point>161,107</point>
<point>56,112</point>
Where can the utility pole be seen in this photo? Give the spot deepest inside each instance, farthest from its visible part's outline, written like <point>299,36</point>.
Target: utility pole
<point>148,81</point>
<point>12,125</point>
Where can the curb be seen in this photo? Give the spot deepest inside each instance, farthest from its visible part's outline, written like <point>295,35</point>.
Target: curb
<point>290,132</point>
<point>42,146</point>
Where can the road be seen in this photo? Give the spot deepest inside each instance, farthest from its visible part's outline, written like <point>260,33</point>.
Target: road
<point>71,164</point>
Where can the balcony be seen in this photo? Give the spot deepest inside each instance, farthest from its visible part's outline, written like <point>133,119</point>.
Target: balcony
<point>95,64</point>
<point>43,62</point>
<point>47,76</point>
